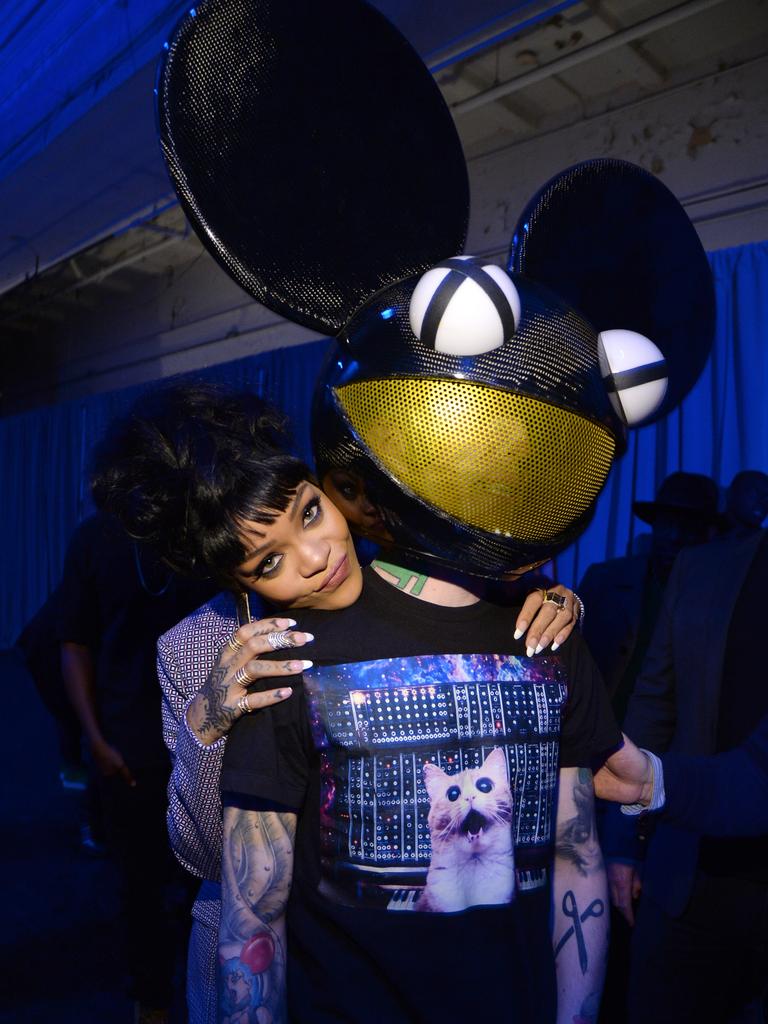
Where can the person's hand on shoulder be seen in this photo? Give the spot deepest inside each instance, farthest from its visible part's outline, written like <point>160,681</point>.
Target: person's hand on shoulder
<point>224,696</point>
<point>548,617</point>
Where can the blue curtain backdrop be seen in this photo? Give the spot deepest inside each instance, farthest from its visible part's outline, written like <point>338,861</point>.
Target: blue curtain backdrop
<point>721,428</point>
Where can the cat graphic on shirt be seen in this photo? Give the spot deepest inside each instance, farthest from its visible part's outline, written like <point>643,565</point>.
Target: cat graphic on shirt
<point>470,824</point>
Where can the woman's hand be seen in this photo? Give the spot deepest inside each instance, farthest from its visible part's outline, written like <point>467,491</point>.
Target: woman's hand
<point>224,696</point>
<point>546,620</point>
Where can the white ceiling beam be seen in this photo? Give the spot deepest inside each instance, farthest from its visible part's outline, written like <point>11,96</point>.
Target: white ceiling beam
<point>648,61</point>
<point>586,53</point>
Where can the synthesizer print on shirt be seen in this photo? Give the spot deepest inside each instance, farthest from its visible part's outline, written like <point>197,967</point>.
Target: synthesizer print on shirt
<point>438,778</point>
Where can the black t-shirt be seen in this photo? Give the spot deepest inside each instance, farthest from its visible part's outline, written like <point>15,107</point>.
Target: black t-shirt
<point>117,599</point>
<point>423,767</point>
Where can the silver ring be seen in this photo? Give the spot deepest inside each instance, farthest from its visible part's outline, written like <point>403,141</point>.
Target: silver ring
<point>242,677</point>
<point>234,644</point>
<point>279,639</point>
<point>242,703</point>
<point>550,597</point>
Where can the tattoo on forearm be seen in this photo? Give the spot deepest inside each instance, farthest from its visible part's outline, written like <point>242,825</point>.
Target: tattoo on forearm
<point>577,836</point>
<point>571,910</point>
<point>256,875</point>
<point>217,717</point>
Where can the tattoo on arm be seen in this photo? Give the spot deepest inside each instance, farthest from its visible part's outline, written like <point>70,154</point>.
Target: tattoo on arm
<point>217,717</point>
<point>576,839</point>
<point>257,869</point>
<point>571,910</point>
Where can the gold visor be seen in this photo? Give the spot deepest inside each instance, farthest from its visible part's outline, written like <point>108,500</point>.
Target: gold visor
<point>500,462</point>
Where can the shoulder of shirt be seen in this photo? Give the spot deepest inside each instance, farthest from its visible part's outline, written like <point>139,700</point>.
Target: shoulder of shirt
<point>207,622</point>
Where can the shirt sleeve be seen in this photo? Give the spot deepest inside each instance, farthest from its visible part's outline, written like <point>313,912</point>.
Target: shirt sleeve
<point>194,806</point>
<point>589,730</point>
<point>268,755</point>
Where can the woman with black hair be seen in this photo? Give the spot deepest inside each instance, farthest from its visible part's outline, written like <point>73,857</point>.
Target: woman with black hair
<point>203,476</point>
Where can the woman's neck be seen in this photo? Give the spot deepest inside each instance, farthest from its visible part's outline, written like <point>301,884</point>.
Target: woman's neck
<point>424,587</point>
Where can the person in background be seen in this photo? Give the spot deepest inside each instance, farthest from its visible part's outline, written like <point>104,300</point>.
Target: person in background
<point>624,594</point>
<point>700,941</point>
<point>746,502</point>
<point>116,599</point>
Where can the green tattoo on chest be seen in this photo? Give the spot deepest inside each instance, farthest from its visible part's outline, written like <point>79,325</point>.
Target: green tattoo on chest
<point>403,577</point>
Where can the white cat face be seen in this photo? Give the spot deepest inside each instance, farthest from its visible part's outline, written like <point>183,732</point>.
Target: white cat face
<point>466,805</point>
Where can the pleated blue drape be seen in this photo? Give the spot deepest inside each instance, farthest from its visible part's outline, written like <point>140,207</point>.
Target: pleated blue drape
<point>721,428</point>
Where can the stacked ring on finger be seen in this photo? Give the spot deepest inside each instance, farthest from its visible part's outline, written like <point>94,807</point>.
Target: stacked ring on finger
<point>242,703</point>
<point>550,597</point>
<point>280,639</point>
<point>234,644</point>
<point>242,677</point>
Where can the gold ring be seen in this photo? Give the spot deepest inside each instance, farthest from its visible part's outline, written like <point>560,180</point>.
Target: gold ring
<point>242,677</point>
<point>234,644</point>
<point>242,703</point>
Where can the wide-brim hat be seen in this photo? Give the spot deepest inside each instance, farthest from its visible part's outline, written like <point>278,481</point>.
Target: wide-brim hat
<point>691,495</point>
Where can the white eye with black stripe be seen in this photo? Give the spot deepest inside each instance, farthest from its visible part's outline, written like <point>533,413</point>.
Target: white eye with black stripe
<point>463,307</point>
<point>634,372</point>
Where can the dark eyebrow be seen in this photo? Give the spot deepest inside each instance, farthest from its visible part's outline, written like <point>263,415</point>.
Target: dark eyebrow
<point>297,499</point>
<point>295,506</point>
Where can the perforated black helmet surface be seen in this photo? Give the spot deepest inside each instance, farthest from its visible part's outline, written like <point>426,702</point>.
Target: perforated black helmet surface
<point>487,463</point>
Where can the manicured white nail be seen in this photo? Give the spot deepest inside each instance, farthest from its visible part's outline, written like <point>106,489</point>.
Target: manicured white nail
<point>539,648</point>
<point>299,666</point>
<point>555,645</point>
<point>291,622</point>
<point>518,633</point>
<point>529,651</point>
<point>309,637</point>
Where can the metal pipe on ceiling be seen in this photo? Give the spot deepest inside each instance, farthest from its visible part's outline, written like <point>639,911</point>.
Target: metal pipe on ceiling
<point>586,53</point>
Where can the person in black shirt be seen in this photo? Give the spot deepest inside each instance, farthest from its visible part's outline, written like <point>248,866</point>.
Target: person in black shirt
<point>115,600</point>
<point>410,788</point>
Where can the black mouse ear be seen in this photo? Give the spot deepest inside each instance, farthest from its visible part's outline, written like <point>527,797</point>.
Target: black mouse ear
<point>311,150</point>
<point>616,244</point>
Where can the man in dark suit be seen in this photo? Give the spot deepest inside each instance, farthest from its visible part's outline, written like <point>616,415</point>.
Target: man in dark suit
<point>700,945</point>
<point>624,595</point>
